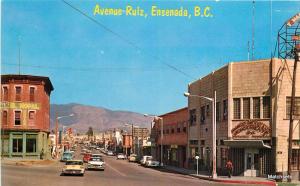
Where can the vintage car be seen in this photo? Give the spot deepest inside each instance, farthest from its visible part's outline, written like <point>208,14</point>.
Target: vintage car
<point>121,156</point>
<point>144,159</point>
<point>86,157</point>
<point>73,167</point>
<point>67,156</point>
<point>132,158</point>
<point>96,163</point>
<point>150,162</point>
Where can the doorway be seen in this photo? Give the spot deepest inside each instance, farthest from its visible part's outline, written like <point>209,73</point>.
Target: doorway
<point>251,162</point>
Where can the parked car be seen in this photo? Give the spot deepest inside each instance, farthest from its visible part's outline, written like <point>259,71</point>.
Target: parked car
<point>152,163</point>
<point>66,156</point>
<point>96,155</point>
<point>110,153</point>
<point>121,156</point>
<point>132,158</point>
<point>74,167</point>
<point>144,159</point>
<point>83,151</point>
<point>86,157</point>
<point>96,163</point>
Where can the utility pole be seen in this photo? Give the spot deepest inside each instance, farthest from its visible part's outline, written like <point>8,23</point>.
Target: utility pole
<point>56,135</point>
<point>292,109</point>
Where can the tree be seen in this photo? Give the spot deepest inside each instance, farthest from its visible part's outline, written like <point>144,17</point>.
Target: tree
<point>90,132</point>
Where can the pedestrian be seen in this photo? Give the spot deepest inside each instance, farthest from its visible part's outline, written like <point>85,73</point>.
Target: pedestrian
<point>42,154</point>
<point>229,167</point>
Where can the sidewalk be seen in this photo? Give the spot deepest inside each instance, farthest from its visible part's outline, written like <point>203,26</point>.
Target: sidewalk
<point>28,162</point>
<point>222,179</point>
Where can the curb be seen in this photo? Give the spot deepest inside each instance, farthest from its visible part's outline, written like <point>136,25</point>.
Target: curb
<point>272,183</point>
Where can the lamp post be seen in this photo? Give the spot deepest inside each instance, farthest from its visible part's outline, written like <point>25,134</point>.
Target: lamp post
<point>214,145</point>
<point>57,118</point>
<point>161,135</point>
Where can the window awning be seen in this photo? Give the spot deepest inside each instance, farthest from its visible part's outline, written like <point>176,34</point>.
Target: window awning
<point>246,144</point>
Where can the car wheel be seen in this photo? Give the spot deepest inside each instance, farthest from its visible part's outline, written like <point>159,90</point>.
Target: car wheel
<point>62,174</point>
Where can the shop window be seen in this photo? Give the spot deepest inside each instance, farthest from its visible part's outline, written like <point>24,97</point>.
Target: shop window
<point>236,108</point>
<point>202,115</point>
<point>17,117</point>
<point>18,93</point>
<point>256,107</point>
<point>218,110</point>
<point>296,107</point>
<point>5,93</point>
<point>4,117</point>
<point>246,108</point>
<point>31,145</point>
<point>31,94</point>
<point>225,109</point>
<point>266,107</point>
<point>17,145</point>
<point>193,117</point>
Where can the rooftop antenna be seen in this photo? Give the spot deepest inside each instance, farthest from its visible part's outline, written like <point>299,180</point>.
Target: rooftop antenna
<point>253,29</point>
<point>19,46</point>
<point>248,46</point>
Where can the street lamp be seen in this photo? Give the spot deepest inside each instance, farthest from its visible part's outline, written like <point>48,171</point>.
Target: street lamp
<point>161,135</point>
<point>214,145</point>
<point>57,118</point>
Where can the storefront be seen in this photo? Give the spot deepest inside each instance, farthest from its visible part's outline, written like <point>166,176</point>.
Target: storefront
<point>25,144</point>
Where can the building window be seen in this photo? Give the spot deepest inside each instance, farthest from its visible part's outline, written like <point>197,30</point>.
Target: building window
<point>5,93</point>
<point>207,110</point>
<point>4,117</point>
<point>184,129</point>
<point>202,142</point>
<point>295,159</point>
<point>225,109</point>
<point>193,142</point>
<point>246,108</point>
<point>17,117</point>
<point>31,94</point>
<point>296,107</point>
<point>18,93</point>
<point>172,131</point>
<point>202,115</point>
<point>178,130</point>
<point>218,110</point>
<point>17,145</point>
<point>31,143</point>
<point>266,107</point>
<point>167,131</point>
<point>256,107</point>
<point>31,117</point>
<point>193,117</point>
<point>236,108</point>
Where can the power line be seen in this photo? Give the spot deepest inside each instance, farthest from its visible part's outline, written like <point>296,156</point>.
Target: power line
<point>123,38</point>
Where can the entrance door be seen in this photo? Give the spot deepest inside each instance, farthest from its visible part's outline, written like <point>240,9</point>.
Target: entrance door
<point>252,162</point>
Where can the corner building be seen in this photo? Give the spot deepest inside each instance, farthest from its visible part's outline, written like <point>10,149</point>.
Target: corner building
<point>25,122</point>
<point>252,111</point>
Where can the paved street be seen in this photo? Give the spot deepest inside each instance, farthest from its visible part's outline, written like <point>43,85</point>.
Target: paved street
<point>117,172</point>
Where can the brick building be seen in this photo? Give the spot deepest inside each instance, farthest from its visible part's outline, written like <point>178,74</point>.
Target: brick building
<point>174,137</point>
<point>253,100</point>
<point>25,122</point>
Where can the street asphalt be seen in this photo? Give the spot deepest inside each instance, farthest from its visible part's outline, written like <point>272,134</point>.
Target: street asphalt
<point>117,172</point>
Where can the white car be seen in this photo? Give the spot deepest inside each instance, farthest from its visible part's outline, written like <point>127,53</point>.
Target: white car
<point>73,167</point>
<point>152,163</point>
<point>144,159</point>
<point>110,153</point>
<point>96,163</point>
<point>121,156</point>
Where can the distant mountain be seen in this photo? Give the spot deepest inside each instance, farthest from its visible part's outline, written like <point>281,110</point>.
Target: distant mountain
<point>100,119</point>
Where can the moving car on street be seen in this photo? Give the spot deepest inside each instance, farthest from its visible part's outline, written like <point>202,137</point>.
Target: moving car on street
<point>86,157</point>
<point>121,156</point>
<point>67,156</point>
<point>96,163</point>
<point>132,158</point>
<point>110,153</point>
<point>73,167</point>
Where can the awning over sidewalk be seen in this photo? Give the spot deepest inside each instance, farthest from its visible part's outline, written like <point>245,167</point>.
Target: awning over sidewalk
<point>246,144</point>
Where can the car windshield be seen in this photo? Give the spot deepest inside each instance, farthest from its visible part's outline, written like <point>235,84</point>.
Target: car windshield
<point>95,159</point>
<point>74,163</point>
<point>67,154</point>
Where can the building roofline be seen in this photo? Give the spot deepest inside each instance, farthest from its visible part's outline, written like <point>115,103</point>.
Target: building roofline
<point>181,109</point>
<point>30,77</point>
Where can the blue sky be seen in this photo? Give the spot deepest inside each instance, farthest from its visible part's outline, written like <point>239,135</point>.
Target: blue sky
<point>91,66</point>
